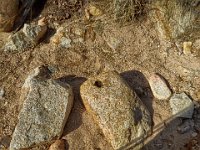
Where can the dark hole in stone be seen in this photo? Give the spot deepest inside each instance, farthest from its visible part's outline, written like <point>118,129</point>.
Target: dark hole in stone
<point>98,84</point>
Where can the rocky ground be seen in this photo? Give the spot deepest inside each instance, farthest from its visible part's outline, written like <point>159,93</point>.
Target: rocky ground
<point>80,44</point>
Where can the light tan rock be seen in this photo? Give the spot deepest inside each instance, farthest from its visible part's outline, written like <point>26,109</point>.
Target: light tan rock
<point>47,105</point>
<point>187,48</point>
<point>94,11</point>
<point>58,145</point>
<point>116,108</point>
<point>8,13</point>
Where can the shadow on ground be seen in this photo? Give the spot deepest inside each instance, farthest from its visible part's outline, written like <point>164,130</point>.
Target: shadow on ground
<point>162,135</point>
<point>169,134</point>
<point>75,118</point>
<point>138,83</point>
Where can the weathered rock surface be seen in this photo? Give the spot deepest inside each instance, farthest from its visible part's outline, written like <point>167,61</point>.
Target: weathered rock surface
<point>46,107</point>
<point>58,145</point>
<point>26,38</point>
<point>115,107</point>
<point>159,87</point>
<point>176,18</point>
<point>182,105</point>
<point>8,13</point>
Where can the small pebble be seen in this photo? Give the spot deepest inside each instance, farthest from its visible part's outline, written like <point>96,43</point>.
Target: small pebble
<point>65,42</point>
<point>2,92</point>
<point>187,48</point>
<point>58,145</point>
<point>94,11</point>
<point>159,87</point>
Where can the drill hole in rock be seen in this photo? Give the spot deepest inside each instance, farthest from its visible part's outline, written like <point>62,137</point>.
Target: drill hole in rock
<point>98,84</point>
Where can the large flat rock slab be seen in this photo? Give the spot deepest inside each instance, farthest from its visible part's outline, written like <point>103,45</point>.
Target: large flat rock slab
<point>45,110</point>
<point>116,108</point>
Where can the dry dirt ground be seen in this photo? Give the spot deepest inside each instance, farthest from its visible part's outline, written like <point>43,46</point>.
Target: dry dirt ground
<point>140,53</point>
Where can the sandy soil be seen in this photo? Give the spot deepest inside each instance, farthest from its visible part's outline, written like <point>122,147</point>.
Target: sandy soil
<point>140,53</point>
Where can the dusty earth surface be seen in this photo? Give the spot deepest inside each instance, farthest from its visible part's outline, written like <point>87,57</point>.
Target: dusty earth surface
<point>139,52</point>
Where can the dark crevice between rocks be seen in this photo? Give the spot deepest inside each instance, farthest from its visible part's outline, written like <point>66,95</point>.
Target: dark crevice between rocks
<point>139,84</point>
<point>75,118</point>
<point>28,10</point>
<point>129,134</point>
<point>38,6</point>
<point>138,116</point>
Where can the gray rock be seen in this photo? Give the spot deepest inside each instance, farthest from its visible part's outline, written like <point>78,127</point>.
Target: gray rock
<point>34,32</point>
<point>159,87</point>
<point>65,42</point>
<point>26,38</point>
<point>46,107</point>
<point>182,105</point>
<point>116,108</point>
<point>18,42</point>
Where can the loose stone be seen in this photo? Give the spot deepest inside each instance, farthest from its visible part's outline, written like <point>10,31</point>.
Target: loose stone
<point>187,48</point>
<point>58,145</point>
<point>26,38</point>
<point>116,108</point>
<point>182,105</point>
<point>159,87</point>
<point>47,104</point>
